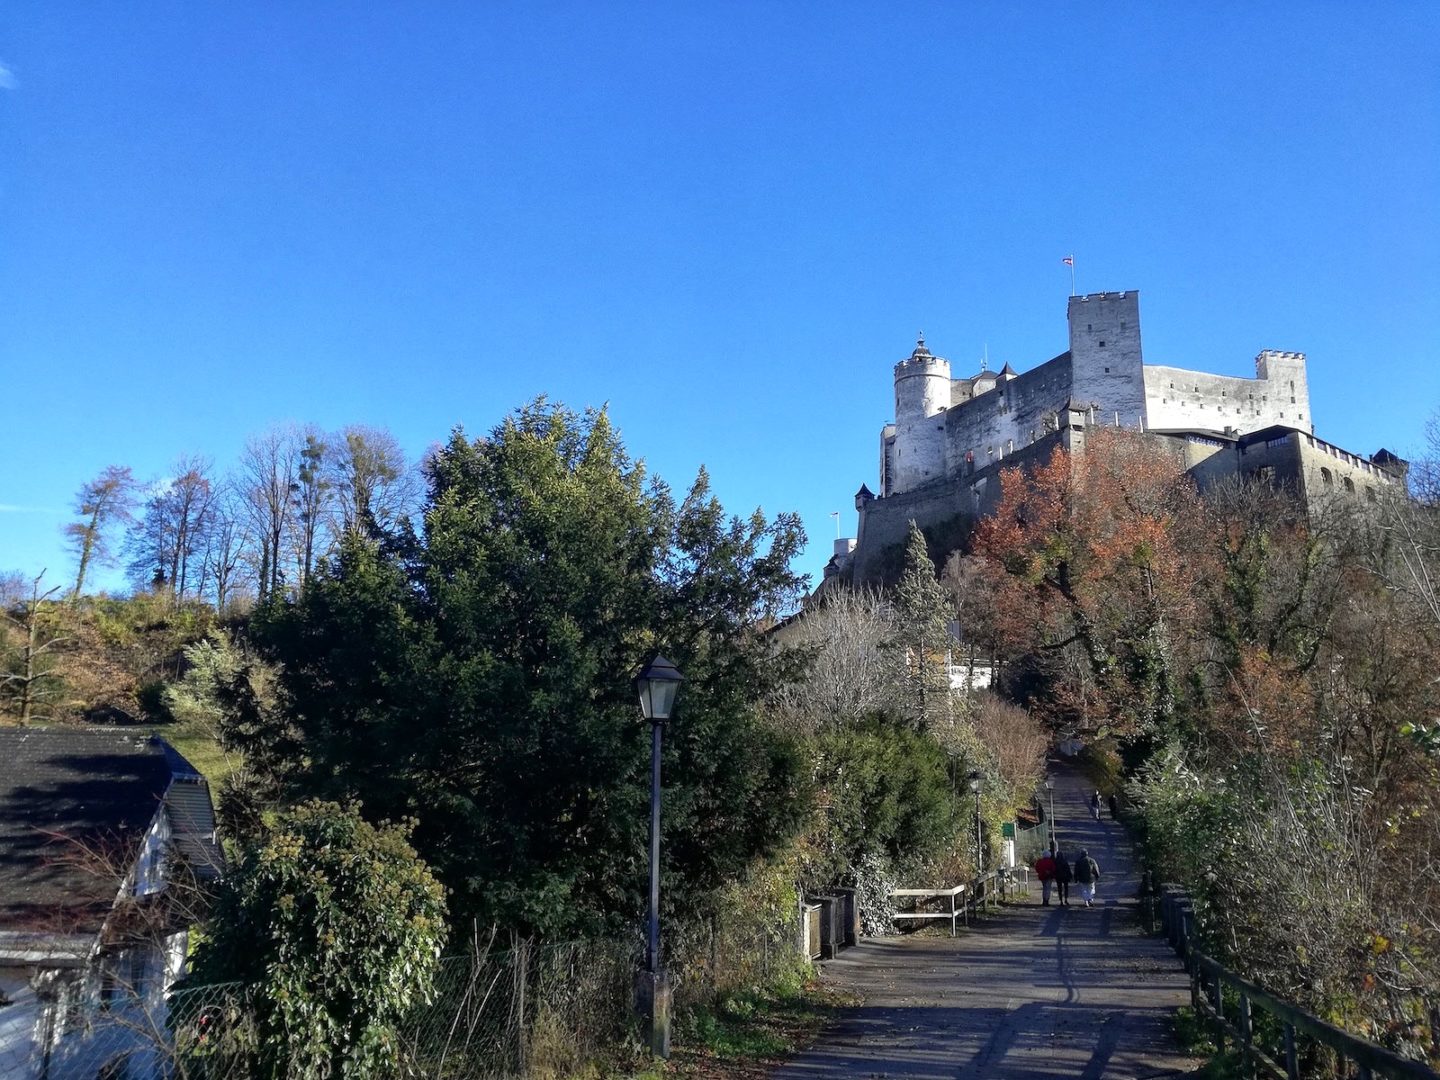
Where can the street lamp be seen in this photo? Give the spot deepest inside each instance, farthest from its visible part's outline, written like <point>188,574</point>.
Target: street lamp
<point>975,779</point>
<point>657,685</point>
<point>1050,790</point>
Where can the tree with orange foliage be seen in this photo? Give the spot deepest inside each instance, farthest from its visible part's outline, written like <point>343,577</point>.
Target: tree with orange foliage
<point>1101,553</point>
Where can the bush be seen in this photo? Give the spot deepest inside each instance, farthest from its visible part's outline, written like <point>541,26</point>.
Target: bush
<point>337,926</point>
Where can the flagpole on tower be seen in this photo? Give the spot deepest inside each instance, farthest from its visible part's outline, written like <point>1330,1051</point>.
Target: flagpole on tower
<point>1069,261</point>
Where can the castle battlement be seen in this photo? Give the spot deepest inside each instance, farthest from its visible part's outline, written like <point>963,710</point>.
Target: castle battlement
<point>952,428</point>
<point>941,458</point>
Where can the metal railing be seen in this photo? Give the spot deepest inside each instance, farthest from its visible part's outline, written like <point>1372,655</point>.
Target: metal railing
<point>1209,982</point>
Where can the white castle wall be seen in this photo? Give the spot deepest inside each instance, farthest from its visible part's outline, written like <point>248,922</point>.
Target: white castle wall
<point>996,424</point>
<point>946,428</point>
<point>1177,399</point>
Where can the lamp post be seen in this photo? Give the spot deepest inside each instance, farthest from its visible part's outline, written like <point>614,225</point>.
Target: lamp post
<point>975,779</point>
<point>657,684</point>
<point>1050,790</point>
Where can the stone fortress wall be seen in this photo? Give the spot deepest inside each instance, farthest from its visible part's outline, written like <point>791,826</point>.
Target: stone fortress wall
<point>991,415</point>
<point>1179,400</point>
<point>940,459</point>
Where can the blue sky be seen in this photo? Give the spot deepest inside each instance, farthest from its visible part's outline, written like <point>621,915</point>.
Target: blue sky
<point>726,221</point>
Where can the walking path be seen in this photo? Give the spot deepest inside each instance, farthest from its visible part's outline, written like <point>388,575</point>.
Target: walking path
<point>1032,992</point>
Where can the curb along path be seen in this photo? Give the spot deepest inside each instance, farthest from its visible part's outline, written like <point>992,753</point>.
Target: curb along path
<point>1032,992</point>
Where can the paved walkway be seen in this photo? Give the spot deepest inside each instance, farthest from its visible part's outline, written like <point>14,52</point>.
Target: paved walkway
<point>1032,992</point>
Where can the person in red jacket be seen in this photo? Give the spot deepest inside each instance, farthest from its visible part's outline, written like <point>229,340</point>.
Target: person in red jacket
<point>1045,871</point>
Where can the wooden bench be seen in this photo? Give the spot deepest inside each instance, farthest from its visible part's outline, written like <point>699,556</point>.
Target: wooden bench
<point>955,896</point>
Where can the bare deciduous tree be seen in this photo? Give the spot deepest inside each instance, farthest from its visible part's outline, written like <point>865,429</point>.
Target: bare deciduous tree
<point>371,481</point>
<point>268,468</point>
<point>101,503</point>
<point>28,679</point>
<point>850,638</point>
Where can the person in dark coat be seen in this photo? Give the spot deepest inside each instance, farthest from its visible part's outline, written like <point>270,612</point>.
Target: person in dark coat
<point>1095,805</point>
<point>1087,874</point>
<point>1063,877</point>
<point>1114,808</point>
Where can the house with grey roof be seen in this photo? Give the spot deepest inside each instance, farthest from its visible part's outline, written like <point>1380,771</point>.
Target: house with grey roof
<point>107,838</point>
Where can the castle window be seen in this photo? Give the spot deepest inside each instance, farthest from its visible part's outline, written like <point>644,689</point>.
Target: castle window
<point>1292,388</point>
<point>1102,344</point>
<point>1088,328</point>
<point>1349,485</point>
<point>1292,399</point>
<point>1370,493</point>
<point>1326,478</point>
<point>1107,370</point>
<point>1122,324</point>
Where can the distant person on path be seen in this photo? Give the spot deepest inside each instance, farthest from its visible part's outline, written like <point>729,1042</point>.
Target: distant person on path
<point>1045,871</point>
<point>1095,805</point>
<point>1062,878</point>
<point>1114,808</point>
<point>1087,873</point>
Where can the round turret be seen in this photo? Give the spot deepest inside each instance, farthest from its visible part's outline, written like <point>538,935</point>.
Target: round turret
<point>922,394</point>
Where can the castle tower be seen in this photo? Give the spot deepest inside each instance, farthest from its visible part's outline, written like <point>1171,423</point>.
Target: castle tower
<point>1289,390</point>
<point>922,394</point>
<point>1105,361</point>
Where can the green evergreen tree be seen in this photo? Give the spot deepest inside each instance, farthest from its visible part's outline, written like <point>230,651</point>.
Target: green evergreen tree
<point>922,616</point>
<point>477,676</point>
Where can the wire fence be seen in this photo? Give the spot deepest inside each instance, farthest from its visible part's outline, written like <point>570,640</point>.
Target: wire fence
<point>524,1011</point>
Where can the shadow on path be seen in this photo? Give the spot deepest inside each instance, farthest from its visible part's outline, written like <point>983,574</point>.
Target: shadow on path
<point>1031,992</point>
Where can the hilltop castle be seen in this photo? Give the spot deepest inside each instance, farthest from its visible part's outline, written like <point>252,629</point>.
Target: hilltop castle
<point>939,457</point>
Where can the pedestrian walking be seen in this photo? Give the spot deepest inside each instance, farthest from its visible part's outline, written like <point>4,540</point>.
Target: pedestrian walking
<point>1087,875</point>
<point>1063,877</point>
<point>1095,805</point>
<point>1045,871</point>
<point>1114,808</point>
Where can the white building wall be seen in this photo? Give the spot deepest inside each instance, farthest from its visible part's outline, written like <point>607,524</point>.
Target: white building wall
<point>1176,399</point>
<point>19,1027</point>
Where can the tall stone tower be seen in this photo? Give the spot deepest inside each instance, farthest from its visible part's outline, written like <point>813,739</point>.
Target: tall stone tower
<point>1105,362</point>
<point>922,394</point>
<point>1289,391</point>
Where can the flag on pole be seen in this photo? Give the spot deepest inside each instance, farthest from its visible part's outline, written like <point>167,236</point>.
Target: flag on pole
<point>1068,260</point>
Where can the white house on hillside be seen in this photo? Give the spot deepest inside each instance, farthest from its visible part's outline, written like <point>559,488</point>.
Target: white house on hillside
<point>103,833</point>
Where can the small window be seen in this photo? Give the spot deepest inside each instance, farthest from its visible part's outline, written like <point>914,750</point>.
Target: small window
<point>1370,493</point>
<point>1122,324</point>
<point>1107,370</point>
<point>1292,399</point>
<point>1102,344</point>
<point>1088,328</point>
<point>1349,485</point>
<point>1326,478</point>
<point>1292,388</point>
